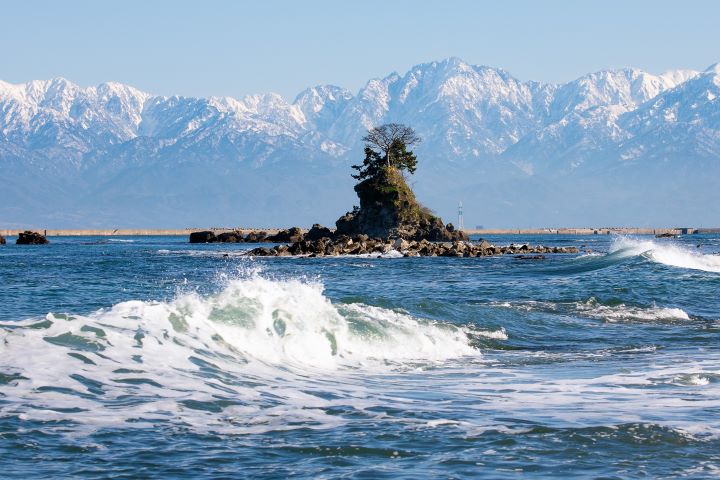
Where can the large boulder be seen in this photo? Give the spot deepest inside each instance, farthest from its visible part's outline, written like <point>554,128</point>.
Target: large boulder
<point>290,235</point>
<point>203,237</point>
<point>443,234</point>
<point>256,237</point>
<point>235,236</point>
<point>264,252</point>
<point>231,237</point>
<point>317,232</point>
<point>31,238</point>
<point>347,224</point>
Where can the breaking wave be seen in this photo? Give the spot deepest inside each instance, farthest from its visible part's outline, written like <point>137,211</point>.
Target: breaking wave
<point>256,345</point>
<point>666,253</point>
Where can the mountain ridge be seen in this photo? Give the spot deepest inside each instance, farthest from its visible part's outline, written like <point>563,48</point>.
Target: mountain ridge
<point>481,127</point>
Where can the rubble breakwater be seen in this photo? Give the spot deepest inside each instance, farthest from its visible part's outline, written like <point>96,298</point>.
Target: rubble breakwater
<point>364,245</point>
<point>320,241</point>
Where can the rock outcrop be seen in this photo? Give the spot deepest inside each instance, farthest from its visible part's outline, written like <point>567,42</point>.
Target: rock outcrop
<point>230,237</point>
<point>362,244</point>
<point>256,237</point>
<point>203,237</point>
<point>31,238</point>
<point>318,231</point>
<point>388,209</point>
<point>234,236</point>
<point>294,234</point>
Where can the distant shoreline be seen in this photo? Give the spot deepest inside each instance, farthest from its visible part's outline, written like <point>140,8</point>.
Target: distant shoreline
<point>504,231</point>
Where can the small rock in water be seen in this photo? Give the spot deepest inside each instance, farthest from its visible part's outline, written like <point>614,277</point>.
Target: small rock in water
<point>202,237</point>
<point>31,238</point>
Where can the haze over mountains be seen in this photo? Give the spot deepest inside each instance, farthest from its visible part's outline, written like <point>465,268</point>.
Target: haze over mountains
<point>615,147</point>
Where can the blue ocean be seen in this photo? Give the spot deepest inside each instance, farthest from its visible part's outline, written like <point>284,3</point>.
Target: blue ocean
<point>148,357</point>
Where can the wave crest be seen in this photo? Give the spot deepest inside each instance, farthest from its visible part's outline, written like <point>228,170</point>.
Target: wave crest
<point>255,346</point>
<point>287,322</point>
<point>668,254</point>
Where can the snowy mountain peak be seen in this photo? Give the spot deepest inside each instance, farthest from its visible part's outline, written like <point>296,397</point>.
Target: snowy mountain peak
<point>322,105</point>
<point>714,68</point>
<point>471,110</point>
<point>477,118</point>
<point>505,142</point>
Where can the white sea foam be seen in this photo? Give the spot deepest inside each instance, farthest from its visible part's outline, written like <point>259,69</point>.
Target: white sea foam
<point>594,309</point>
<point>389,254</point>
<point>666,253</point>
<point>284,322</point>
<point>621,312</point>
<point>204,253</point>
<point>691,379</point>
<point>260,344</point>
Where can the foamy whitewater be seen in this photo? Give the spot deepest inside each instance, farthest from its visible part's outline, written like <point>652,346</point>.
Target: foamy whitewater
<point>667,254</point>
<point>149,357</point>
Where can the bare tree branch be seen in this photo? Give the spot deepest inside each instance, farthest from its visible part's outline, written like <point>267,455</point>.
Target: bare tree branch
<point>385,136</point>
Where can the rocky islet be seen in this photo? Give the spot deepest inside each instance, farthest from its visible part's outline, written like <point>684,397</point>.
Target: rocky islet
<point>31,238</point>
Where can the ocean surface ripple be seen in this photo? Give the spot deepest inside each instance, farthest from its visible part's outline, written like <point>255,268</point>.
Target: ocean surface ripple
<point>148,357</point>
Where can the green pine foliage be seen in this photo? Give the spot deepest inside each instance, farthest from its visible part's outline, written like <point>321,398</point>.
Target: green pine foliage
<point>371,167</point>
<point>375,163</point>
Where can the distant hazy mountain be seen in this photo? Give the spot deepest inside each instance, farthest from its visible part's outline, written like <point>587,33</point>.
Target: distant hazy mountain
<point>612,147</point>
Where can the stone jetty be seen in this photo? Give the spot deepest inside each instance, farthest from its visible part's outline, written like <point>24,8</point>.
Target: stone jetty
<point>364,245</point>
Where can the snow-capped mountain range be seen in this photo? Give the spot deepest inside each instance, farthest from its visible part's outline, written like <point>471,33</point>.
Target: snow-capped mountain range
<point>612,147</point>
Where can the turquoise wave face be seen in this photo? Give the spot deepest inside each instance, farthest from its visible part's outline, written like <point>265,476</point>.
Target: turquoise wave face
<point>148,357</point>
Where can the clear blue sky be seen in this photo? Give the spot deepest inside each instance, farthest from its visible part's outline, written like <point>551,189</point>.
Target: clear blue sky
<point>236,48</point>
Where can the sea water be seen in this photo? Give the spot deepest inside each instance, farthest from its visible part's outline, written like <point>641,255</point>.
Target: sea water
<point>148,357</point>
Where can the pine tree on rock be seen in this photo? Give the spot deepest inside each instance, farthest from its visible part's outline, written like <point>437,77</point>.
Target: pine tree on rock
<point>388,207</point>
<point>387,146</point>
